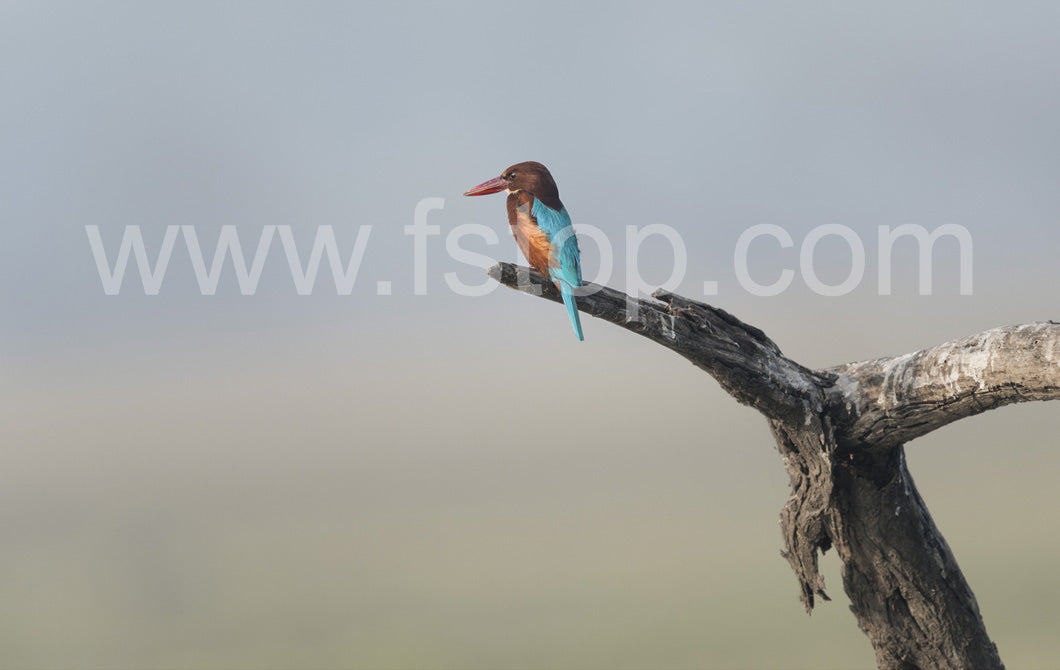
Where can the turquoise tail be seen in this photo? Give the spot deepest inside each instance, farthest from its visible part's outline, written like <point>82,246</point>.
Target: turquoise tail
<point>572,308</point>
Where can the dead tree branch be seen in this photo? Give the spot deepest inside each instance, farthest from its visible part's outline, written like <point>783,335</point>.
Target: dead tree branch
<point>842,432</point>
<point>898,399</point>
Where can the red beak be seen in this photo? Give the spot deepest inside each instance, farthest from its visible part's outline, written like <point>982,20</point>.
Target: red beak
<point>495,185</point>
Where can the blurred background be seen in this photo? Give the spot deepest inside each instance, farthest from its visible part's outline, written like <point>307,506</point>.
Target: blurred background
<point>439,481</point>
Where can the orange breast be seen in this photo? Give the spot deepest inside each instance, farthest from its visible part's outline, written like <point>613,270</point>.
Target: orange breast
<point>533,241</point>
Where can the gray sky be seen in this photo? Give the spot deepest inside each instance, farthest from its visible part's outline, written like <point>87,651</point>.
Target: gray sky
<point>148,427</point>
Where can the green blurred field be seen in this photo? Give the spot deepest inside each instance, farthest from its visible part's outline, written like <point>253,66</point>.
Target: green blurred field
<point>227,520</point>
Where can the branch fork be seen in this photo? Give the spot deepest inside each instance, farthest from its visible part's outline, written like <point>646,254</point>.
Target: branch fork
<point>842,433</point>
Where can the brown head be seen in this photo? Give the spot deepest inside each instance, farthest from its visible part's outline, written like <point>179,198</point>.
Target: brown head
<point>531,177</point>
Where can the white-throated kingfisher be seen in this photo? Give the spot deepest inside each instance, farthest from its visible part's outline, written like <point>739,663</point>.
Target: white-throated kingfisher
<point>541,227</point>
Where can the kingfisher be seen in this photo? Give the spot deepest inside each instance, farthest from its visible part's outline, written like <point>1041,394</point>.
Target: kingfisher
<point>541,227</point>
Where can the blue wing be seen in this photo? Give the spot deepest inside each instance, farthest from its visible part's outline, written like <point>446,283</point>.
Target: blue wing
<point>566,268</point>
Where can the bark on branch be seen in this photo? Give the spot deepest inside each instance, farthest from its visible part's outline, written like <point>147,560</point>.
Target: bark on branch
<point>842,432</point>
<point>744,361</point>
<point>895,400</point>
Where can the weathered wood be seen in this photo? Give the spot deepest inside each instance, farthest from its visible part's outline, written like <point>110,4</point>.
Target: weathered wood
<point>744,361</point>
<point>842,433</point>
<point>891,401</point>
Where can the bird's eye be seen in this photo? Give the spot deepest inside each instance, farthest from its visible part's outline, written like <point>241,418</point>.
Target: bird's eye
<point>511,176</point>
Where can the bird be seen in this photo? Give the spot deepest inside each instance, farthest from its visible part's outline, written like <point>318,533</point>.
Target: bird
<point>542,228</point>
